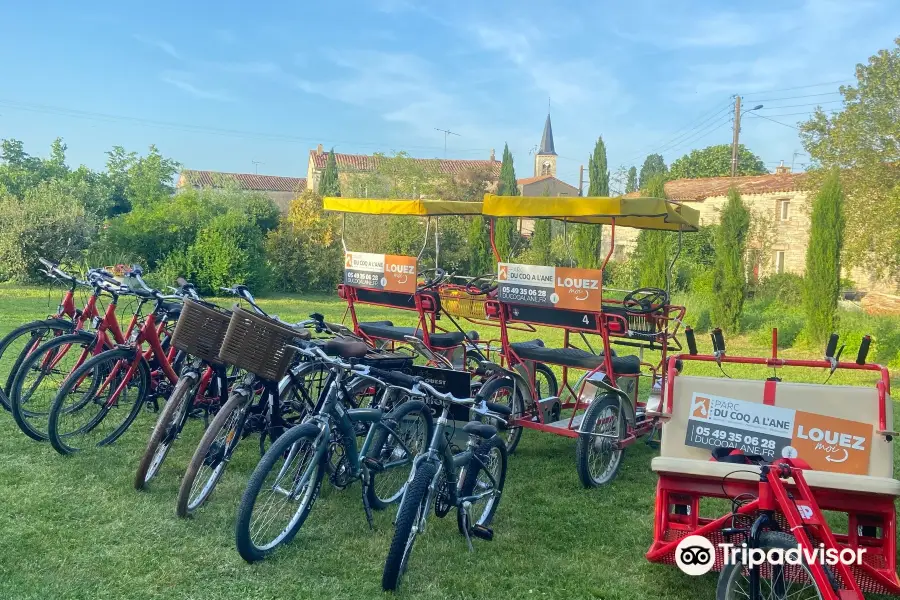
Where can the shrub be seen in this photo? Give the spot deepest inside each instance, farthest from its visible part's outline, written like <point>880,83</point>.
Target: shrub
<point>789,327</point>
<point>780,288</point>
<point>228,250</point>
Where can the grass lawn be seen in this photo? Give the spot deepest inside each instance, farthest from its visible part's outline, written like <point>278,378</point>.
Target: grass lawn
<point>74,528</point>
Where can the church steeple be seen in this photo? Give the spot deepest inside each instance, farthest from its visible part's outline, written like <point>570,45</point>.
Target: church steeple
<point>547,139</point>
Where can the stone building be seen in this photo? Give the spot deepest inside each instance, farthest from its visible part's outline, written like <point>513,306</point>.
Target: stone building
<point>280,189</point>
<point>780,210</point>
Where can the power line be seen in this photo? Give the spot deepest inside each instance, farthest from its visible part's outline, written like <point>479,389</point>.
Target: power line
<point>774,121</point>
<point>801,113</point>
<point>186,127</point>
<point>680,133</point>
<point>800,105</point>
<point>701,134</point>
<point>791,97</point>
<point>803,87</point>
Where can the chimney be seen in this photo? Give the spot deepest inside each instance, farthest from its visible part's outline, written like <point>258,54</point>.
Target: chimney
<point>782,170</point>
<point>319,150</point>
<point>493,158</point>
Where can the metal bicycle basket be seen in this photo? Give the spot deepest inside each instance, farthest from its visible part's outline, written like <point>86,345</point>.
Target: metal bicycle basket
<point>258,344</point>
<point>459,303</point>
<point>200,330</point>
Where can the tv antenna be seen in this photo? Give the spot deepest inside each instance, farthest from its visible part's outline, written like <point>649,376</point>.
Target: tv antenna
<point>256,164</point>
<point>446,132</point>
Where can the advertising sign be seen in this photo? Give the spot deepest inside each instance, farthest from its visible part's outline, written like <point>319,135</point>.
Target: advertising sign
<point>388,272</point>
<point>552,287</point>
<point>826,443</point>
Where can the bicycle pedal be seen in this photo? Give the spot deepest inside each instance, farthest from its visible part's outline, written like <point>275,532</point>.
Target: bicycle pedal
<point>373,465</point>
<point>483,533</point>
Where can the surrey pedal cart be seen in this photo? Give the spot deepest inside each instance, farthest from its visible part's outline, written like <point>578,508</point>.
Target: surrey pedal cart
<point>603,410</point>
<point>805,466</point>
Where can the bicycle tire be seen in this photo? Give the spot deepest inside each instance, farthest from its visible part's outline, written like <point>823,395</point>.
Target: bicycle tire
<point>377,499</point>
<point>113,357</point>
<point>550,376</point>
<point>175,415</point>
<point>515,402</point>
<point>413,507</point>
<point>246,547</point>
<point>586,441</point>
<point>58,326</point>
<point>725,588</point>
<point>237,404</point>
<point>28,418</point>
<point>469,479</point>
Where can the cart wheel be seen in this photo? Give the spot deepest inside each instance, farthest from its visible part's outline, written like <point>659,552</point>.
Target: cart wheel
<point>596,456</point>
<point>545,384</point>
<point>790,581</point>
<point>501,391</point>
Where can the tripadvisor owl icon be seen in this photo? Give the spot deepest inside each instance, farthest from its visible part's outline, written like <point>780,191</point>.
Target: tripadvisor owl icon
<point>695,555</point>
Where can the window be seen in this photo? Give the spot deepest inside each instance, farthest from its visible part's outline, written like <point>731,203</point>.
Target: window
<point>779,261</point>
<point>784,210</point>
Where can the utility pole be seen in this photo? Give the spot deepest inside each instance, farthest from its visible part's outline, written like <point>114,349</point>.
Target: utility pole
<point>256,164</point>
<point>581,180</point>
<point>737,131</point>
<point>446,133</point>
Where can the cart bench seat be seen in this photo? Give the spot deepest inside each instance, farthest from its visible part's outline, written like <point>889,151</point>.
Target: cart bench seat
<point>575,357</point>
<point>387,331</point>
<point>843,402</point>
<point>816,479</point>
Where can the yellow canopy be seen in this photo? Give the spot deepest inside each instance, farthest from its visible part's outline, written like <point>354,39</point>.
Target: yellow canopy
<point>421,208</point>
<point>641,213</point>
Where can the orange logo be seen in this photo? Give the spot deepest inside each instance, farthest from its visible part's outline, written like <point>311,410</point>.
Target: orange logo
<point>700,408</point>
<point>400,273</point>
<point>832,444</point>
<point>578,289</point>
<point>502,275</point>
<point>348,258</point>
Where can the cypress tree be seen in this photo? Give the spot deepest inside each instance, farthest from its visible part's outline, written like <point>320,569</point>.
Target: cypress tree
<point>589,237</point>
<point>330,185</point>
<point>651,250</point>
<point>730,282</point>
<point>823,259</point>
<point>505,228</point>
<point>481,258</point>
<point>631,184</point>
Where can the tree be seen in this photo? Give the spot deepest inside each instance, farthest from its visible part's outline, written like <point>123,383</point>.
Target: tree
<point>330,185</point>
<point>729,281</point>
<point>150,178</point>
<point>505,235</point>
<point>651,248</point>
<point>715,161</point>
<point>589,237</point>
<point>632,184</point>
<point>481,257</point>
<point>863,140</point>
<point>653,165</point>
<point>823,259</point>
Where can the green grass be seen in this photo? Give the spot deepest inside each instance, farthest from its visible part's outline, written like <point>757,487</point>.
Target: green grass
<point>74,528</point>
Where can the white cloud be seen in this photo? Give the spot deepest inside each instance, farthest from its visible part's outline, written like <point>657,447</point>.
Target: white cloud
<point>184,81</point>
<point>158,43</point>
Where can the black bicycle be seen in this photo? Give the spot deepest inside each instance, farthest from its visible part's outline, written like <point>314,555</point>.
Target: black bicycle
<point>471,480</point>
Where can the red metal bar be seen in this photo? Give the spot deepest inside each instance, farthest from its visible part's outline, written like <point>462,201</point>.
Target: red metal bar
<point>774,343</point>
<point>493,244</point>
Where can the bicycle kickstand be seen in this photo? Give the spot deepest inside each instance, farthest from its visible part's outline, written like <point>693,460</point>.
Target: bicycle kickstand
<point>365,498</point>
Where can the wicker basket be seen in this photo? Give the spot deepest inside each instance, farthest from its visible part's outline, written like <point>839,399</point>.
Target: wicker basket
<point>257,344</point>
<point>459,303</point>
<point>200,330</point>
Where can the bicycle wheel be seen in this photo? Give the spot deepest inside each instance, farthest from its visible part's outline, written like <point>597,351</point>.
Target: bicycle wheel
<point>501,391</point>
<point>281,492</point>
<point>41,375</point>
<point>477,482</point>
<point>775,581</point>
<point>596,455</point>
<point>545,384</point>
<point>413,508</point>
<point>413,423</point>
<point>117,382</point>
<point>19,343</point>
<point>212,455</point>
<point>168,427</point>
<point>297,399</point>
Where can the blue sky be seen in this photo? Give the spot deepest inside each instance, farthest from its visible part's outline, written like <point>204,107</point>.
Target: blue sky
<point>267,81</point>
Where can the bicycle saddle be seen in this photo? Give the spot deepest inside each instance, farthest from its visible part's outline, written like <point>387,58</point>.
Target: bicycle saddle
<point>345,348</point>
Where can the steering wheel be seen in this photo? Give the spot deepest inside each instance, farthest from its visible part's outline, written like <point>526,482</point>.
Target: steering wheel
<point>437,276</point>
<point>646,300</point>
<point>482,285</point>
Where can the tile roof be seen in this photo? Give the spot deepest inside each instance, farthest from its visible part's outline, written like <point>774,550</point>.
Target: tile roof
<point>364,162</point>
<point>246,181</point>
<point>528,180</point>
<point>709,187</point>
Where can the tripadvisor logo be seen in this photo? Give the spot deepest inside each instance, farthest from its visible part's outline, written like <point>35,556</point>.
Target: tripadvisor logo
<point>696,555</point>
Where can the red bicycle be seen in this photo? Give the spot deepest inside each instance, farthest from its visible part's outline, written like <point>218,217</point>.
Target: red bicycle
<point>101,398</point>
<point>42,371</point>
